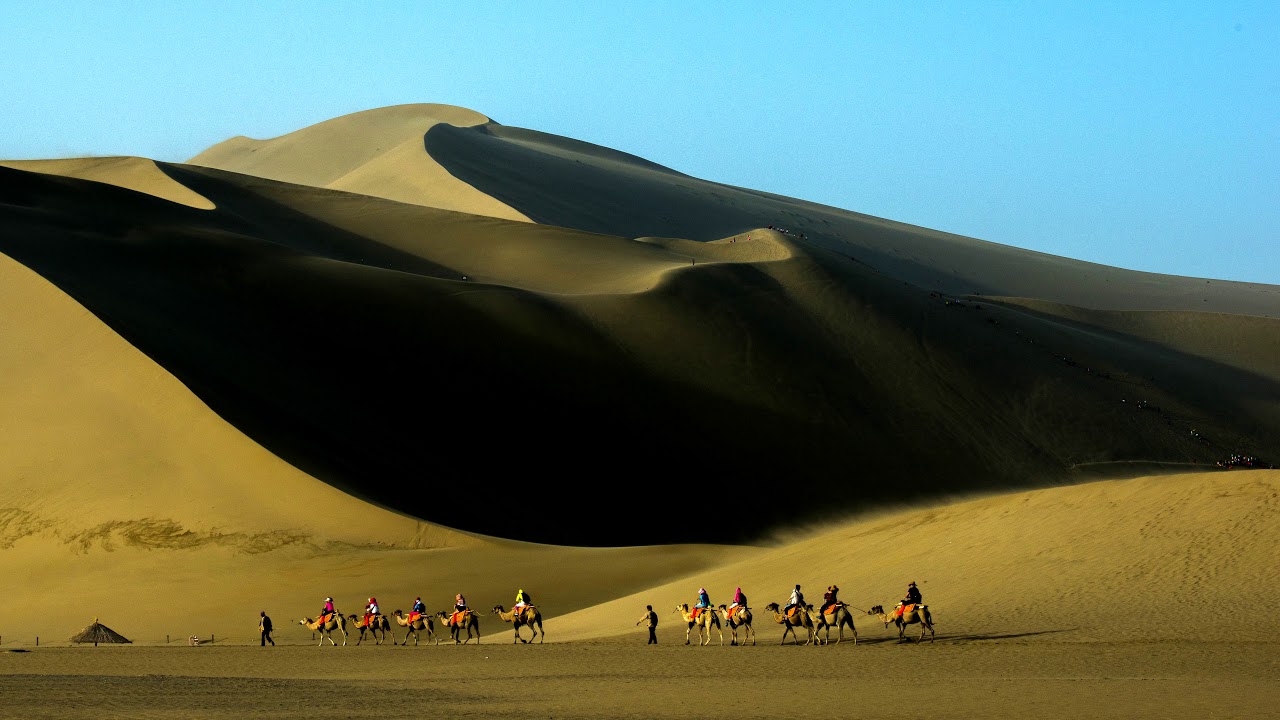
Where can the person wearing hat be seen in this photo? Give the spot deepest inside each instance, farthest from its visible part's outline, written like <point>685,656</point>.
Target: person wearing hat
<point>829,599</point>
<point>327,611</point>
<point>912,598</point>
<point>522,601</point>
<point>370,610</point>
<point>704,602</point>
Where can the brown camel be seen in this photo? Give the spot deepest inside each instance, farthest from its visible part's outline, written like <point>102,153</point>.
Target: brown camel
<point>378,627</point>
<point>422,623</point>
<point>918,614</point>
<point>470,620</point>
<point>790,623</point>
<point>336,621</point>
<point>704,621</point>
<point>837,616</point>
<point>529,616</point>
<point>740,619</point>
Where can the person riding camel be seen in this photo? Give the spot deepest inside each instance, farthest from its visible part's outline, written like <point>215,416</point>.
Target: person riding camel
<point>418,609</point>
<point>797,600</point>
<point>912,598</point>
<point>370,611</point>
<point>522,601</point>
<point>328,610</point>
<point>459,607</point>
<point>829,599</point>
<point>704,602</point>
<point>739,601</point>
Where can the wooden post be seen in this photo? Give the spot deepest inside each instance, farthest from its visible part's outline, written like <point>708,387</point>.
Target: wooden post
<point>166,639</point>
<point>37,641</point>
<point>210,637</point>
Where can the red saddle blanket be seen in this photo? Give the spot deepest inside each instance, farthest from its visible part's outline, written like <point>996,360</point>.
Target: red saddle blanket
<point>414,617</point>
<point>905,609</point>
<point>324,619</point>
<point>695,613</point>
<point>734,611</point>
<point>459,617</point>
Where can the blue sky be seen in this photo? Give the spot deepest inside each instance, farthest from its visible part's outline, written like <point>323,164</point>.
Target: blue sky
<point>1142,135</point>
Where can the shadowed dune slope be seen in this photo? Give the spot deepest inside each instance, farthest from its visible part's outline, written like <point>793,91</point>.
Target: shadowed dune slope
<point>377,345</point>
<point>134,173</point>
<point>377,152</point>
<point>564,182</point>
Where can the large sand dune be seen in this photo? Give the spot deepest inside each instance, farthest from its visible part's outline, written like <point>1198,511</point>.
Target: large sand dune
<point>414,352</point>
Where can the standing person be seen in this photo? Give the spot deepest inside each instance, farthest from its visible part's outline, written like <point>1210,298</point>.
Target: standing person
<point>650,619</point>
<point>264,627</point>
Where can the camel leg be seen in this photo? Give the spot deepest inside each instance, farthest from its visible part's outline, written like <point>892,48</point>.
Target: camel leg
<point>539,632</point>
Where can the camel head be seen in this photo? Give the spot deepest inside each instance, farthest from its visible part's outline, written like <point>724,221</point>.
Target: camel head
<point>397,613</point>
<point>772,607</point>
<point>682,607</point>
<point>499,608</point>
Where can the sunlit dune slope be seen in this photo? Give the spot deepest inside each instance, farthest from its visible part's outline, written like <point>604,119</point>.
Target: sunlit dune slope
<point>376,152</point>
<point>1149,559</point>
<point>372,344</point>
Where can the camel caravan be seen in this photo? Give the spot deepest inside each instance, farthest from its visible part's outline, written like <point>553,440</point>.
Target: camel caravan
<point>795,617</point>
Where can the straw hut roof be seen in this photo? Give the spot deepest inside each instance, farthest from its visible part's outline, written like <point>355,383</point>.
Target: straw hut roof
<point>99,633</point>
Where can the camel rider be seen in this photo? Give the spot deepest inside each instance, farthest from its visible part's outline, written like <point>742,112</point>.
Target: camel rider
<point>739,601</point>
<point>328,609</point>
<point>370,610</point>
<point>829,599</point>
<point>704,602</point>
<point>797,600</point>
<point>912,598</point>
<point>418,607</point>
<point>459,607</point>
<point>522,600</point>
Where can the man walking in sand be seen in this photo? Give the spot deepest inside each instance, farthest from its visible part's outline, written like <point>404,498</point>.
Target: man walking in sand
<point>650,619</point>
<point>264,627</point>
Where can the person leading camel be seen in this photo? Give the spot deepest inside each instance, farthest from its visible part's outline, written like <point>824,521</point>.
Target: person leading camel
<point>913,597</point>
<point>650,619</point>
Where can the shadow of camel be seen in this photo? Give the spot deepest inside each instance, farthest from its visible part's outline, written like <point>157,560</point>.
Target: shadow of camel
<point>974,637</point>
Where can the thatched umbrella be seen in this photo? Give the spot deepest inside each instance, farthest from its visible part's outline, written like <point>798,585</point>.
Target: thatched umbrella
<point>99,633</point>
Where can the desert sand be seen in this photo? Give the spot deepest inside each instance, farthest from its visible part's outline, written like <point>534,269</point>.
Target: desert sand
<point>446,355</point>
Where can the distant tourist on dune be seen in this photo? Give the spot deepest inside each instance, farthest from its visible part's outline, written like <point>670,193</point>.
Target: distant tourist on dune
<point>650,620</point>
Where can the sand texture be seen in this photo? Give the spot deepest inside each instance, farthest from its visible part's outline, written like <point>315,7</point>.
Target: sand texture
<point>413,352</point>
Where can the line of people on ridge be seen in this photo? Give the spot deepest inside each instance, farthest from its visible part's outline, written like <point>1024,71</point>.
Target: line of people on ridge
<point>830,599</point>
<point>372,610</point>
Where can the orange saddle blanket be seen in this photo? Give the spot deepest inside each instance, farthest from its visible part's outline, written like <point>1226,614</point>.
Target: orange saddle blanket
<point>459,617</point>
<point>734,611</point>
<point>905,609</point>
<point>415,617</point>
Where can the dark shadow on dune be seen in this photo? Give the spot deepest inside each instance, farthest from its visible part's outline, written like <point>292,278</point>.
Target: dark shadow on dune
<point>982,637</point>
<point>730,399</point>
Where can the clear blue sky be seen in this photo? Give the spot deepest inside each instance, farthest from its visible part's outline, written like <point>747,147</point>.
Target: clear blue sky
<point>1144,135</point>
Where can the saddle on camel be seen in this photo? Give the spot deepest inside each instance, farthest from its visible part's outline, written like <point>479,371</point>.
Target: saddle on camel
<point>460,617</point>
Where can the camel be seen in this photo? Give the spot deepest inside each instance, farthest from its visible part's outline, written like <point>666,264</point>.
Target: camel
<point>918,614</point>
<point>336,622</point>
<point>740,619</point>
<point>422,623</point>
<point>528,616</point>
<point>471,621</point>
<point>837,616</point>
<point>800,619</point>
<point>706,619</point>
<point>378,627</point>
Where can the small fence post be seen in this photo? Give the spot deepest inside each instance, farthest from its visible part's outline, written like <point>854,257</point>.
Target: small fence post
<point>37,641</point>
<point>166,639</point>
<point>210,637</point>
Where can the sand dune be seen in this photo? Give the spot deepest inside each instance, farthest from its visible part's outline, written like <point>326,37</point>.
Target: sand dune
<point>377,152</point>
<point>415,352</point>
